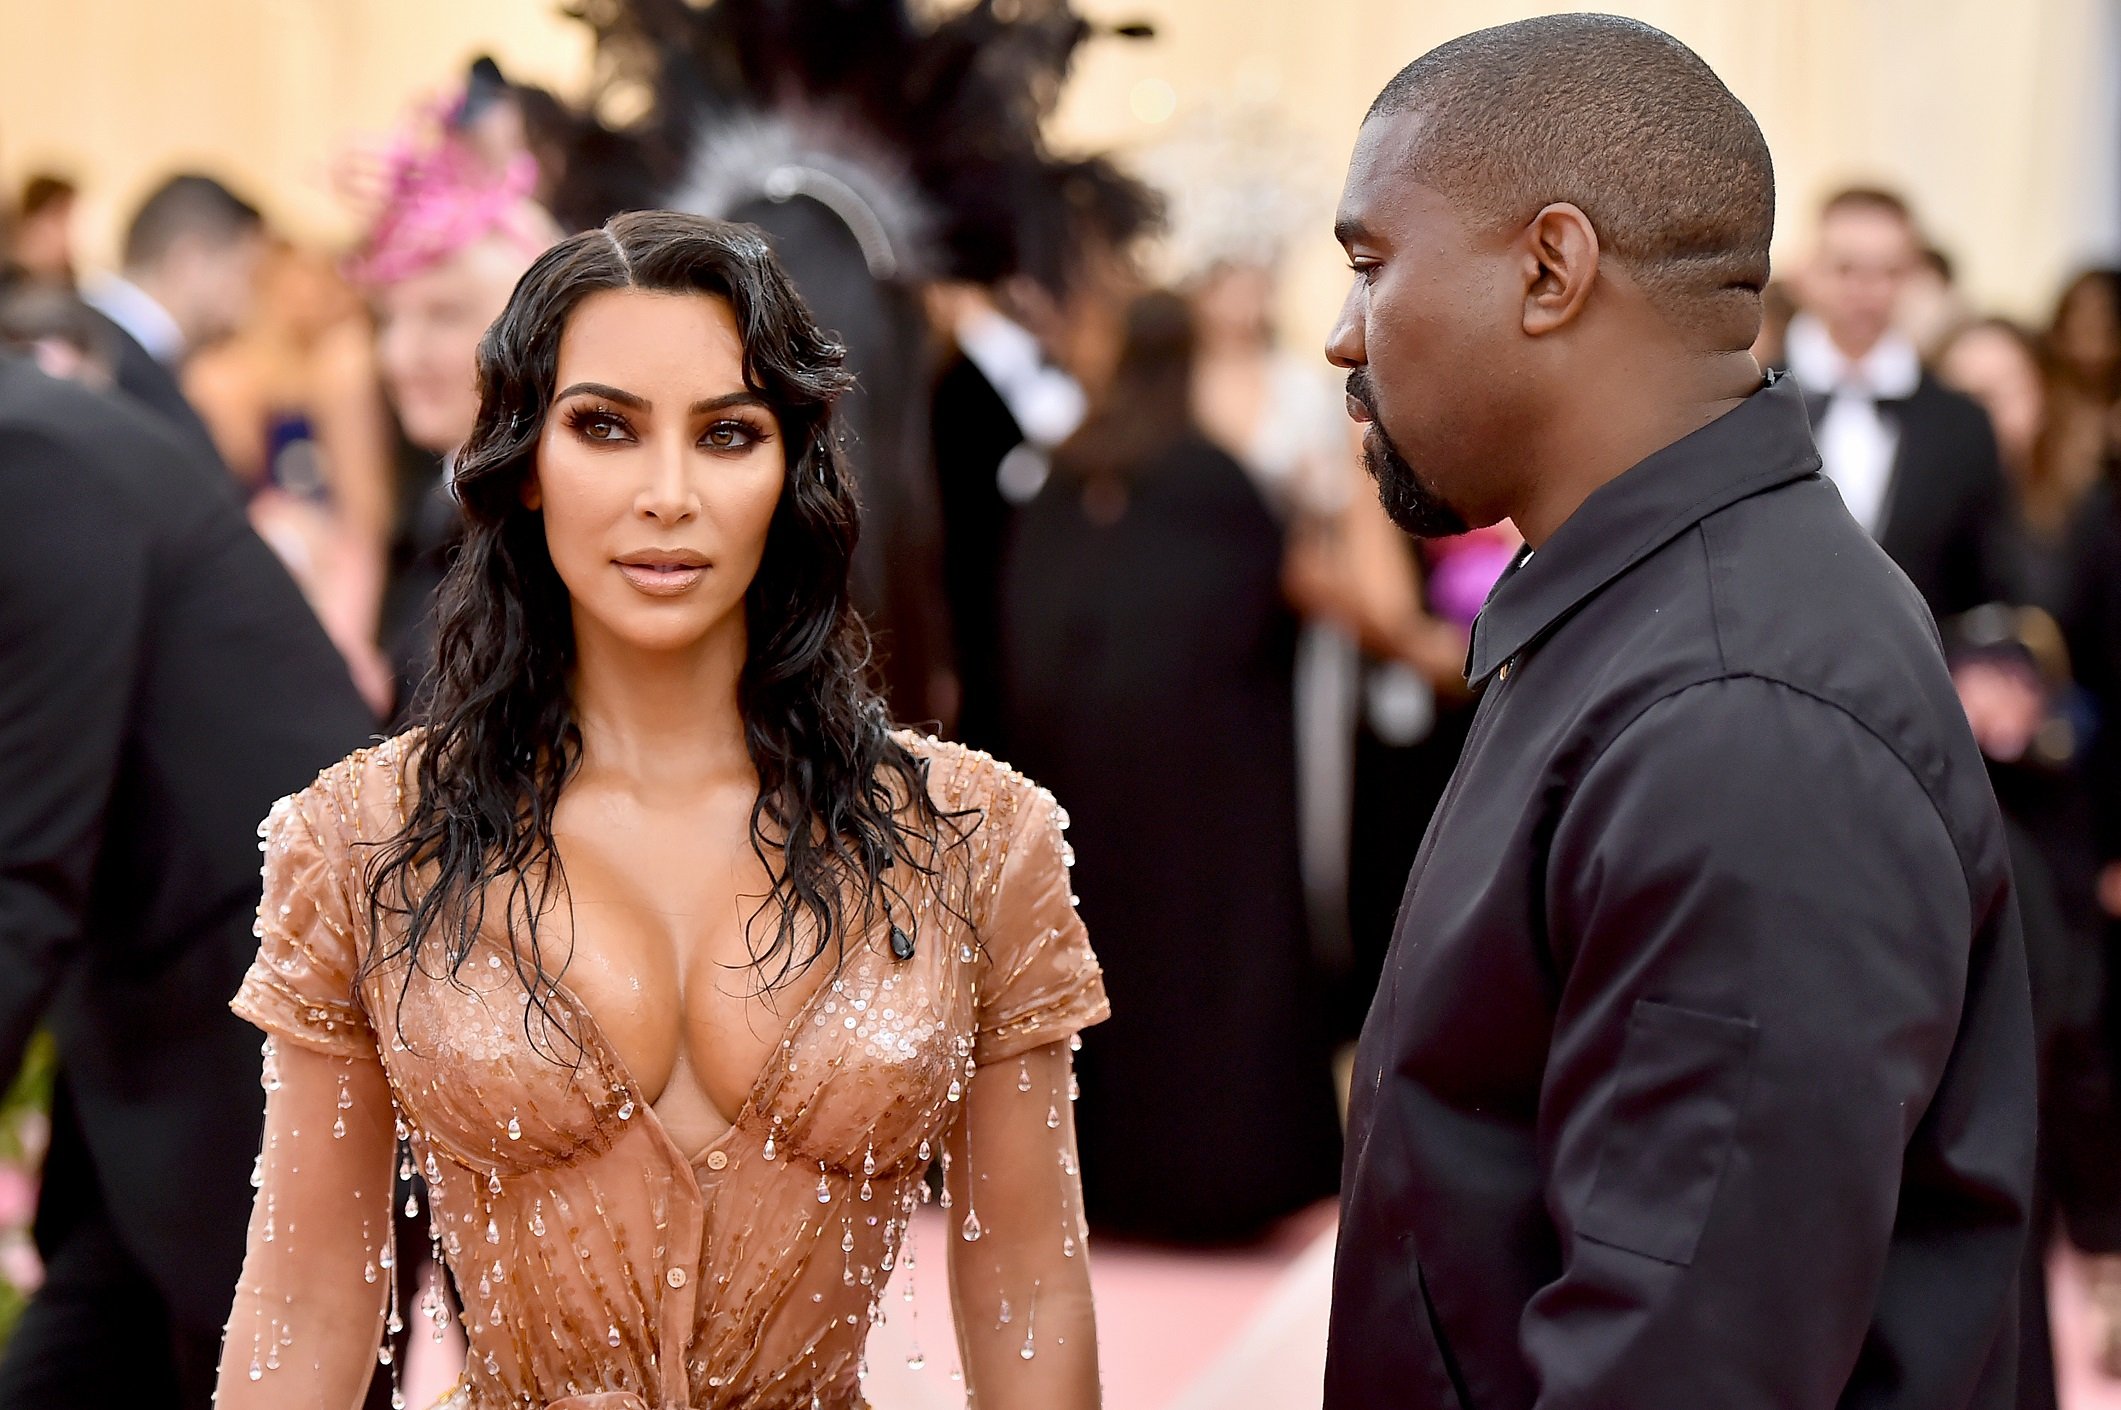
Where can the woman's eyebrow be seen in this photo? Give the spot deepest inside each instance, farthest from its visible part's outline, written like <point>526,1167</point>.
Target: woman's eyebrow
<point>727,400</point>
<point>598,389</point>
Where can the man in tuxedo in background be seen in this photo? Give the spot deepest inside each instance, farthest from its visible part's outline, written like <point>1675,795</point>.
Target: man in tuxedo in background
<point>161,683</point>
<point>1915,462</point>
<point>191,261</point>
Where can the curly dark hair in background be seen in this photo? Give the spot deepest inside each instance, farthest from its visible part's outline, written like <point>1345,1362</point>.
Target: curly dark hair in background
<point>840,801</point>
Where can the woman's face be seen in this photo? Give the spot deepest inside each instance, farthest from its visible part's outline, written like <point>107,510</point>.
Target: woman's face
<point>2088,332</point>
<point>427,339</point>
<point>658,469</point>
<point>1993,368</point>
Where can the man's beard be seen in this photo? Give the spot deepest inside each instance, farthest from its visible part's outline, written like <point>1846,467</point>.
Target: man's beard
<point>1412,505</point>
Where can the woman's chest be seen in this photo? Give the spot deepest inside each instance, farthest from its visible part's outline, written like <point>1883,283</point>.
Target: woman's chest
<point>504,1070</point>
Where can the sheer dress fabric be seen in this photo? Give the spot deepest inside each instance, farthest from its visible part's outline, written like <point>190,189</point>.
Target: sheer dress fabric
<point>603,1268</point>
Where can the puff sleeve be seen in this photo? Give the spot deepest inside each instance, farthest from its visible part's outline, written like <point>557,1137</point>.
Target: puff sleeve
<point>301,987</point>
<point>1040,979</point>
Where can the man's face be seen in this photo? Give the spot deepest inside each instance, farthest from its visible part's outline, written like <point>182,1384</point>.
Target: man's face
<point>215,283</point>
<point>1865,255</point>
<point>1427,336</point>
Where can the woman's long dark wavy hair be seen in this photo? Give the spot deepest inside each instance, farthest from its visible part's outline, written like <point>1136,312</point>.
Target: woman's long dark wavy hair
<point>840,802</point>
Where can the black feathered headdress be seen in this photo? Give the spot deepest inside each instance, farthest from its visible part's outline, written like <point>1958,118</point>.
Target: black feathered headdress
<point>923,135</point>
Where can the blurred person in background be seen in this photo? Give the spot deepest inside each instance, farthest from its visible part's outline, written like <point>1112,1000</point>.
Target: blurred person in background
<point>293,403</point>
<point>1930,308</point>
<point>2085,334</point>
<point>1915,462</point>
<point>2012,671</point>
<point>883,146</point>
<point>1009,390</point>
<point>40,243</point>
<point>2003,367</point>
<point>65,336</point>
<point>2084,343</point>
<point>161,683</point>
<point>189,279</point>
<point>1373,647</point>
<point>451,226</point>
<point>1148,644</point>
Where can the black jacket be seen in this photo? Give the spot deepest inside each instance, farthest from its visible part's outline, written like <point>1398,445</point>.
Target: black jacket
<point>1948,514</point>
<point>152,384</point>
<point>1701,1073</point>
<point>161,683</point>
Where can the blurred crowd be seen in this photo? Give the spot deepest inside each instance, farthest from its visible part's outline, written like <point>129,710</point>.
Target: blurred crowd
<point>1121,538</point>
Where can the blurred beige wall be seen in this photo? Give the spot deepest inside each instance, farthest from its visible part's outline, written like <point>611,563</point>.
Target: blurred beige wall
<point>1994,115</point>
<point>263,92</point>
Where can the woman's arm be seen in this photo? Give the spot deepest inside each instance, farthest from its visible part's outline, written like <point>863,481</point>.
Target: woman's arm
<point>1021,1289</point>
<point>310,1306</point>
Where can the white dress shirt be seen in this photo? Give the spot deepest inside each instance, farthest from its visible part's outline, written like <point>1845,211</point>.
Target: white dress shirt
<point>1857,443</point>
<point>135,310</point>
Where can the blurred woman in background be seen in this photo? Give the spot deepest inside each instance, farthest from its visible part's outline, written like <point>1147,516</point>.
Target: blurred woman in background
<point>452,227</point>
<point>2003,366</point>
<point>1148,665</point>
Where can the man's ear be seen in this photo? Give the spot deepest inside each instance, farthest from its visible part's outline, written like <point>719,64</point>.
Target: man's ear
<point>1560,249</point>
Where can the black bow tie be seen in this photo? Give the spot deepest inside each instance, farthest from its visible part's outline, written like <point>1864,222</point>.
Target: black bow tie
<point>1816,403</point>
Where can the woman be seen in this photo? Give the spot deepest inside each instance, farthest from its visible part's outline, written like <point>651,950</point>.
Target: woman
<point>2002,366</point>
<point>451,227</point>
<point>667,963</point>
<point>1151,567</point>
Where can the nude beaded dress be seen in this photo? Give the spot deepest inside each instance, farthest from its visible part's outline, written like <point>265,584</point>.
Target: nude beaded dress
<point>602,1267</point>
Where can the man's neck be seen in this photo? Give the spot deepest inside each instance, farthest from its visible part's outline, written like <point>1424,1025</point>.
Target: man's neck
<point>135,304</point>
<point>1608,433</point>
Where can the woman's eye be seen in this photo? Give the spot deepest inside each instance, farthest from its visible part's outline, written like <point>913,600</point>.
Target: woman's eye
<point>729,435</point>
<point>600,426</point>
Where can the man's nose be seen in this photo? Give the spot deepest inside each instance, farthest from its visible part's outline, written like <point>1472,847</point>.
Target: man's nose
<point>1347,347</point>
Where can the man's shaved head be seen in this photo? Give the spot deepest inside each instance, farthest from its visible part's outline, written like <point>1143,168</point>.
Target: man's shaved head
<point>1558,237</point>
<point>1620,120</point>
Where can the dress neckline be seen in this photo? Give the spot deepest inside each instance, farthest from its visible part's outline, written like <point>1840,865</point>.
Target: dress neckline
<point>636,1095</point>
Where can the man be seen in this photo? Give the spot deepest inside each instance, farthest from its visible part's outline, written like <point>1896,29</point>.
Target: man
<point>1916,462</point>
<point>161,683</point>
<point>191,260</point>
<point>1701,1070</point>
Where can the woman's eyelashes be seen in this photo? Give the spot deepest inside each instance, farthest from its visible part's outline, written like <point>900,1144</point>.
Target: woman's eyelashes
<point>598,424</point>
<point>603,426</point>
<point>733,435</point>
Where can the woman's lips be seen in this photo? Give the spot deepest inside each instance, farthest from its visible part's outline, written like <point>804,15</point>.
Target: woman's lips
<point>663,579</point>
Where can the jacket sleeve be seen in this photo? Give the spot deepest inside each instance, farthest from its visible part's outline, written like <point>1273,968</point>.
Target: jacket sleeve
<point>74,579</point>
<point>1780,1050</point>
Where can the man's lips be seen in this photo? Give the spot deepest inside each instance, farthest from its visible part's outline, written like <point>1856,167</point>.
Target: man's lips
<point>1359,413</point>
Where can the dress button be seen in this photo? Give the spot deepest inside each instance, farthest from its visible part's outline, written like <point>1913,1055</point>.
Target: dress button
<point>675,1277</point>
<point>718,1160</point>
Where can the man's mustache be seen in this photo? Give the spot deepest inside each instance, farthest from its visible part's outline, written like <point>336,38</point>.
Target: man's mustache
<point>1359,390</point>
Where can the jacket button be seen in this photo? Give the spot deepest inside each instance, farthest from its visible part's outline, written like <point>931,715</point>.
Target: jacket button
<point>718,1160</point>
<point>675,1277</point>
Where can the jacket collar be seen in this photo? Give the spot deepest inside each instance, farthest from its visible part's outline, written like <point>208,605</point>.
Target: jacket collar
<point>1763,442</point>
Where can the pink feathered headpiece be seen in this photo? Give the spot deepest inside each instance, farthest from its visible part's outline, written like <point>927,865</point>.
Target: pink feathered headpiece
<point>431,192</point>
